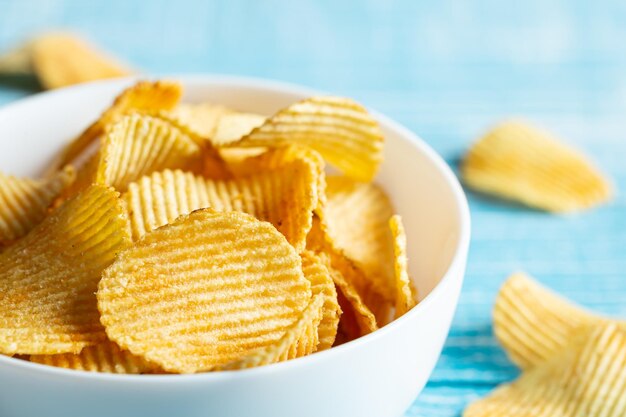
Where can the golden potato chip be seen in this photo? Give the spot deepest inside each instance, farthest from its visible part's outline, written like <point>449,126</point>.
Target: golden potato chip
<point>363,316</point>
<point>286,197</point>
<point>203,291</point>
<point>233,126</point>
<point>104,357</point>
<point>17,60</point>
<point>532,323</point>
<point>357,218</point>
<point>139,145</point>
<point>201,118</point>
<point>145,96</point>
<point>348,277</point>
<point>316,271</point>
<point>23,202</point>
<point>62,59</point>
<point>338,128</point>
<point>348,328</point>
<point>276,158</point>
<point>49,277</point>
<point>217,124</point>
<point>587,379</point>
<point>290,345</point>
<point>405,298</point>
<point>519,162</point>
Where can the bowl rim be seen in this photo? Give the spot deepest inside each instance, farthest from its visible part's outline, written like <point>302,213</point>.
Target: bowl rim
<point>457,262</point>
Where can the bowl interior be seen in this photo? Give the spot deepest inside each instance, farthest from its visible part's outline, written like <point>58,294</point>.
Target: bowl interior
<point>423,190</point>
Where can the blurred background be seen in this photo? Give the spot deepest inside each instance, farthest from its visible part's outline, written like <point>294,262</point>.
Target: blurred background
<point>448,70</point>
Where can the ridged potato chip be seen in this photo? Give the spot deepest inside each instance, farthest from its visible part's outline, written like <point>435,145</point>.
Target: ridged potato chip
<point>201,118</point>
<point>145,96</point>
<point>519,162</point>
<point>203,291</point>
<point>233,126</point>
<point>24,202</point>
<point>139,145</point>
<point>49,277</point>
<point>357,217</point>
<point>299,340</point>
<point>534,324</point>
<point>104,357</point>
<point>347,277</point>
<point>286,197</point>
<point>316,271</point>
<point>62,59</point>
<point>587,379</point>
<point>217,124</point>
<point>276,158</point>
<point>406,297</point>
<point>341,130</point>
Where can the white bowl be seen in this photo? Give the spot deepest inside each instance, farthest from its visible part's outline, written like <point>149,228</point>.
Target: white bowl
<point>377,375</point>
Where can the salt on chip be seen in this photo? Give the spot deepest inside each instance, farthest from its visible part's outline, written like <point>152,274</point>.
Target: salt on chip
<point>587,379</point>
<point>533,323</point>
<point>341,130</point>
<point>290,345</point>
<point>520,162</point>
<point>104,357</point>
<point>405,292</point>
<point>139,145</point>
<point>24,202</point>
<point>49,277</point>
<point>62,59</point>
<point>203,291</point>
<point>285,197</point>
<point>144,97</point>
<point>316,271</point>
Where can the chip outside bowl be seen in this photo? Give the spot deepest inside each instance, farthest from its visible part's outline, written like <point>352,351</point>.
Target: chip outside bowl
<point>377,375</point>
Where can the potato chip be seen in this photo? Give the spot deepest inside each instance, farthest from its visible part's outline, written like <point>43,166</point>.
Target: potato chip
<point>338,128</point>
<point>104,357</point>
<point>276,158</point>
<point>519,162</point>
<point>288,346</point>
<point>348,277</point>
<point>532,323</point>
<point>62,59</point>
<point>17,60</point>
<point>217,124</point>
<point>357,218</point>
<point>203,291</point>
<point>316,271</point>
<point>139,145</point>
<point>144,96</point>
<point>285,197</point>
<point>49,277</point>
<point>586,379</point>
<point>23,202</point>
<point>405,298</point>
<point>233,126</point>
<point>201,118</point>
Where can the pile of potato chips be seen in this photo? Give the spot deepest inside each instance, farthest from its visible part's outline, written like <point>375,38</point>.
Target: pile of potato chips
<point>573,361</point>
<point>183,238</point>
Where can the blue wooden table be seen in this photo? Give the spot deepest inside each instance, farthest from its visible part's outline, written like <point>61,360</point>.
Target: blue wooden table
<point>446,69</point>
